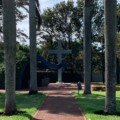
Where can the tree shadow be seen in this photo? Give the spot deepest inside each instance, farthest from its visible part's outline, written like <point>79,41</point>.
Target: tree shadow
<point>102,112</point>
<point>94,104</point>
<point>19,113</point>
<point>23,101</point>
<point>60,103</point>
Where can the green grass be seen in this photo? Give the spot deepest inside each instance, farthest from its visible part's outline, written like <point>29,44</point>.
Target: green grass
<point>95,102</point>
<point>27,103</point>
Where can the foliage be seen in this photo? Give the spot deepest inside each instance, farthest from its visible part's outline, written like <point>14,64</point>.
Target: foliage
<point>97,20</point>
<point>97,57</point>
<point>24,105</point>
<point>62,22</point>
<point>102,88</point>
<point>118,17</point>
<point>22,54</point>
<point>1,57</point>
<point>65,22</point>
<point>77,54</point>
<point>118,45</point>
<point>2,67</point>
<point>96,103</point>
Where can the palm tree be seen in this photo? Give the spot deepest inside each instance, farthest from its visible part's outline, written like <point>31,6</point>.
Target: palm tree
<point>110,55</point>
<point>87,46</point>
<point>9,32</point>
<point>33,64</point>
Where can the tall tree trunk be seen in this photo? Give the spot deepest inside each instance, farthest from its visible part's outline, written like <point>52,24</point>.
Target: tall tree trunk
<point>103,62</point>
<point>33,62</point>
<point>9,32</point>
<point>110,55</point>
<point>87,46</point>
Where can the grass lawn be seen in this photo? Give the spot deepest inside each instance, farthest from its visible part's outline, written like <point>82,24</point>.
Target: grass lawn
<point>95,102</point>
<point>26,103</point>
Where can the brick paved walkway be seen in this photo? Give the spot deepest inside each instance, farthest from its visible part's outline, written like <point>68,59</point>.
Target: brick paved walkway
<point>59,104</point>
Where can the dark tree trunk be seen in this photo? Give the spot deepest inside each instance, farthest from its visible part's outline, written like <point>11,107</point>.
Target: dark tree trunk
<point>87,46</point>
<point>9,21</point>
<point>33,60</point>
<point>110,55</point>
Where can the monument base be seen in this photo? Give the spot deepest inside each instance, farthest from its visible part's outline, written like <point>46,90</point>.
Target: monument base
<point>59,82</point>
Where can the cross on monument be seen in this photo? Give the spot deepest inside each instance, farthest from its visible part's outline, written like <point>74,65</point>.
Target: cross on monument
<point>59,53</point>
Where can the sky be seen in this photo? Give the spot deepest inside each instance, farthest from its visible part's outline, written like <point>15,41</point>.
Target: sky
<point>44,4</point>
<point>50,3</point>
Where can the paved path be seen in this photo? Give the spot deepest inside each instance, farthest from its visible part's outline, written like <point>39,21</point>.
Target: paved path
<point>59,104</point>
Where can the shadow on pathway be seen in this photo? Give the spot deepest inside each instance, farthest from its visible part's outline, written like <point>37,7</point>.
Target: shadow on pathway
<point>59,104</point>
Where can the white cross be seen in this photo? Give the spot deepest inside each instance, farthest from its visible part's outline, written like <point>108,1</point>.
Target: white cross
<point>59,53</point>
